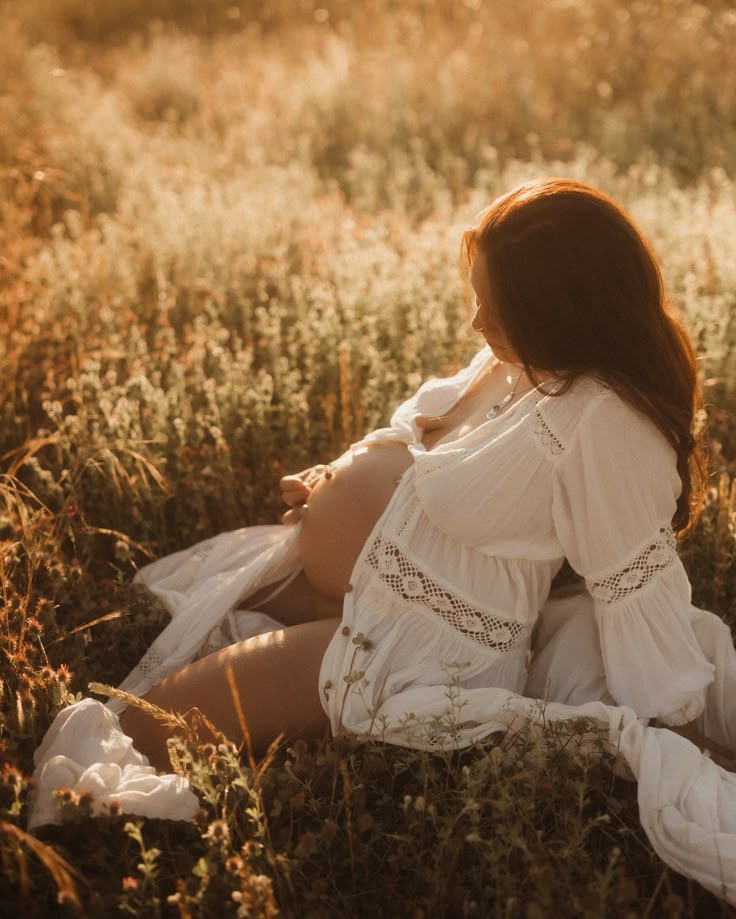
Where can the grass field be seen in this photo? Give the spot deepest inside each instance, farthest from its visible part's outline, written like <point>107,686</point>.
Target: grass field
<point>229,237</point>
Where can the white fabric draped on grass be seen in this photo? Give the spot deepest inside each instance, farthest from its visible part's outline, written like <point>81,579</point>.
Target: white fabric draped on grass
<point>455,573</point>
<point>687,803</point>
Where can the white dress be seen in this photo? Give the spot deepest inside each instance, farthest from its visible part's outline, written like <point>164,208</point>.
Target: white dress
<point>438,617</point>
<point>450,583</point>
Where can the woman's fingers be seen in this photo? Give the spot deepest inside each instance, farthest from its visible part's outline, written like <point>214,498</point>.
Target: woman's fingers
<point>313,474</point>
<point>292,516</point>
<point>296,489</point>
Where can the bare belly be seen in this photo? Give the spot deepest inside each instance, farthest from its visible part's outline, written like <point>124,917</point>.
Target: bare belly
<point>344,509</point>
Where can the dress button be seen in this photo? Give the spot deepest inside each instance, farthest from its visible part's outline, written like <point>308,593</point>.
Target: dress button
<point>345,631</point>
<point>328,684</point>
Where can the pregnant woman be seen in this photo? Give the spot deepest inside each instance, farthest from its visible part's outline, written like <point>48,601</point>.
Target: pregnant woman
<point>400,598</point>
<point>423,556</point>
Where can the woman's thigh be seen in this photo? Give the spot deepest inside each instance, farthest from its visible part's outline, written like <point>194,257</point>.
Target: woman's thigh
<point>277,682</point>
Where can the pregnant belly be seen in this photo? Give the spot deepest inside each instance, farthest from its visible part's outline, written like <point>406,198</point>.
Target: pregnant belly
<point>344,509</point>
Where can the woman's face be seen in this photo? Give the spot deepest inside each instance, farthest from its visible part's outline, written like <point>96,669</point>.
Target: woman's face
<point>485,320</point>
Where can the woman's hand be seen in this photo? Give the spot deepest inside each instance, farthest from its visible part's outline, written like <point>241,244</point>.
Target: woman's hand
<point>296,489</point>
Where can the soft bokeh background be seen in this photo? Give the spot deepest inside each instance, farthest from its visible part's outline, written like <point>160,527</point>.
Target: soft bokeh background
<point>229,238</point>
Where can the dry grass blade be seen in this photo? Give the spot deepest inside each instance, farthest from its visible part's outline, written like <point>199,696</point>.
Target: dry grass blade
<point>61,871</point>
<point>148,470</point>
<point>12,489</point>
<point>167,718</point>
<point>27,450</point>
<point>242,723</point>
<point>108,531</point>
<point>24,510</point>
<point>115,614</point>
<point>105,460</point>
<point>175,721</point>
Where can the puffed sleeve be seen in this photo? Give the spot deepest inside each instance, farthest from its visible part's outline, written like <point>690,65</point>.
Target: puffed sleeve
<point>614,495</point>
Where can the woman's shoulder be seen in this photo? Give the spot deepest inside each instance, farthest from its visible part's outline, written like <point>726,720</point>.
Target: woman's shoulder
<point>591,411</point>
<point>561,407</point>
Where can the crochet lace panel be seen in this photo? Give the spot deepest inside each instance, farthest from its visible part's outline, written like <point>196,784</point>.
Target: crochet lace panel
<point>546,435</point>
<point>151,669</point>
<point>402,577</point>
<point>643,568</point>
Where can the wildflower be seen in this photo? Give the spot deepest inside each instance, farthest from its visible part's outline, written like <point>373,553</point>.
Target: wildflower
<point>218,832</point>
<point>365,644</point>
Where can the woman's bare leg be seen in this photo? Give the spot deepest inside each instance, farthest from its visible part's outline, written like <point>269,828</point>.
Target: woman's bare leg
<point>276,676</point>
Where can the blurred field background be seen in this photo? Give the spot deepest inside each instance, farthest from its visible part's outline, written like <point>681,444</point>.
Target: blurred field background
<point>229,238</point>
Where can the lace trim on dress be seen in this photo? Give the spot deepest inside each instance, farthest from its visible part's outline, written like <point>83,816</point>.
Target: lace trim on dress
<point>546,435</point>
<point>640,571</point>
<point>415,510</point>
<point>150,669</point>
<point>412,584</point>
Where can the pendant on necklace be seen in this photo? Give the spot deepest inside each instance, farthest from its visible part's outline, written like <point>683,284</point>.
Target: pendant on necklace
<point>498,406</point>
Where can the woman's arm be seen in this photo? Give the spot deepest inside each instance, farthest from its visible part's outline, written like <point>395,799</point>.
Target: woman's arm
<point>614,495</point>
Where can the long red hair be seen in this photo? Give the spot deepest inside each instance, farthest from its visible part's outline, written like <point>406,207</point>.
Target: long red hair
<point>578,290</point>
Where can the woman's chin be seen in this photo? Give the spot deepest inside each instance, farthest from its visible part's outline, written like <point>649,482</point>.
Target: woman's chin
<point>506,355</point>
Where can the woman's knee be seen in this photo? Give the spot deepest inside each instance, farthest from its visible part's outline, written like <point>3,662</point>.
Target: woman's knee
<point>270,680</point>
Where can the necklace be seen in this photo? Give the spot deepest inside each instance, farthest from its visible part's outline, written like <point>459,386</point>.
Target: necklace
<point>499,406</point>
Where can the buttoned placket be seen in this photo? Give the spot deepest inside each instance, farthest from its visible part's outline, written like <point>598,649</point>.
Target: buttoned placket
<point>348,607</point>
<point>347,612</point>
<point>345,629</point>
